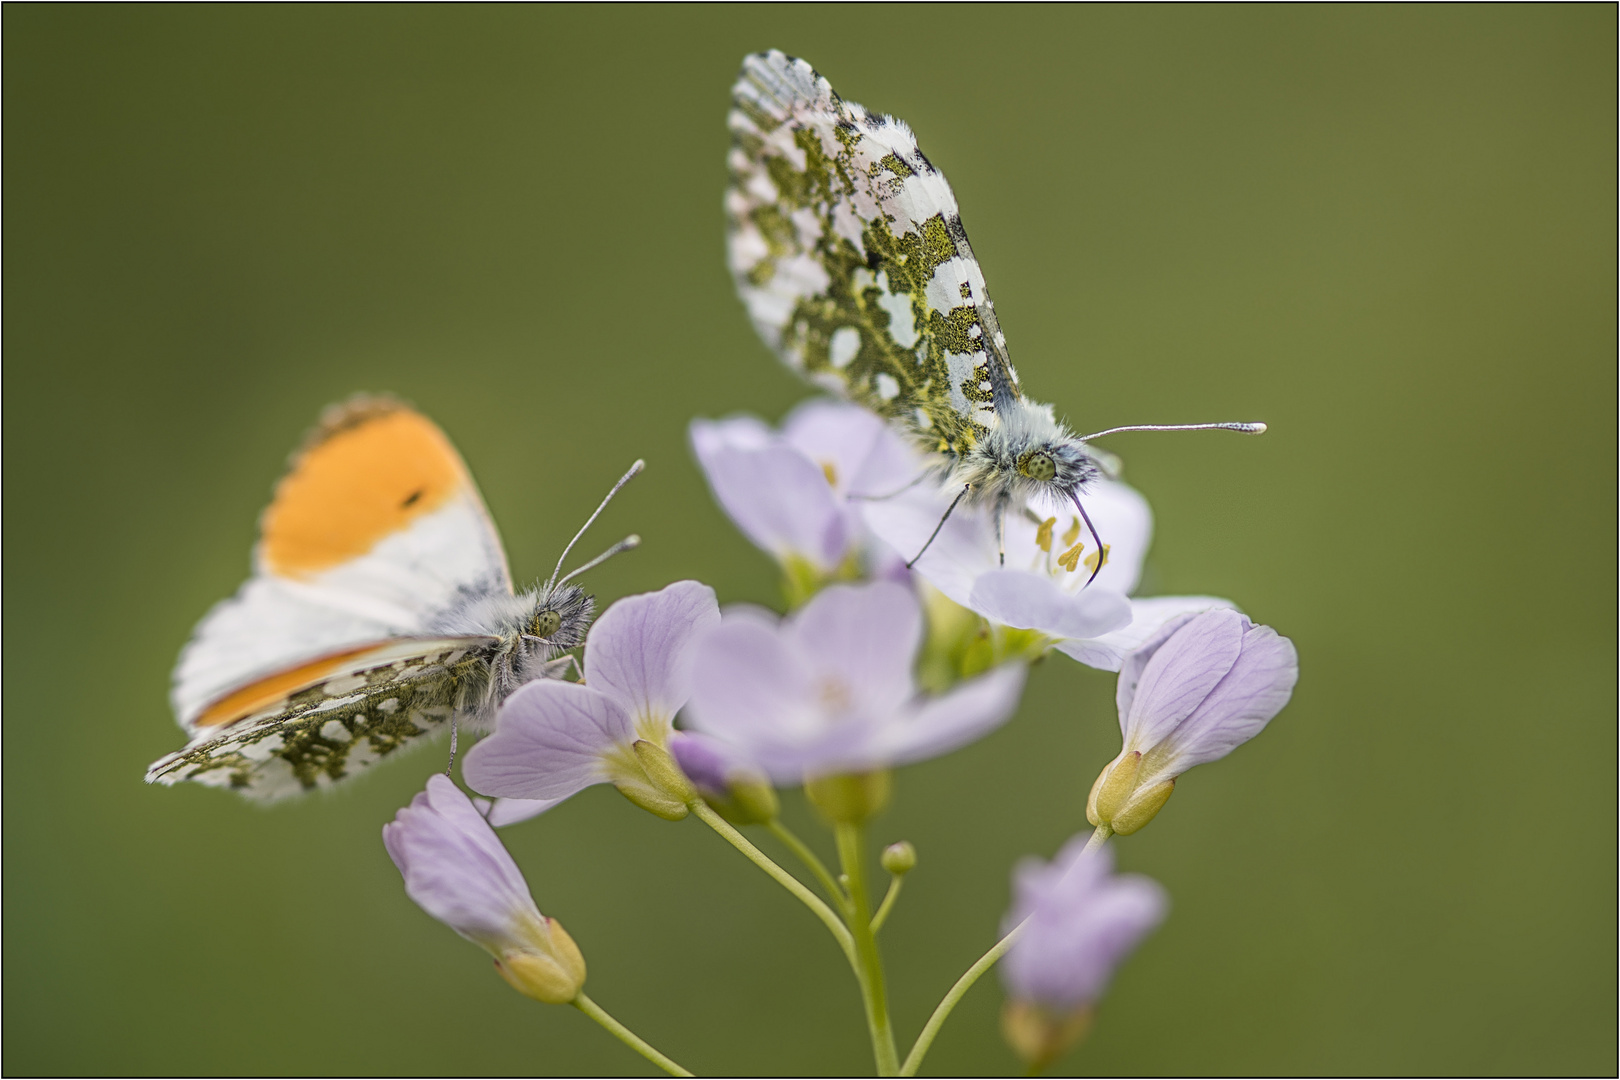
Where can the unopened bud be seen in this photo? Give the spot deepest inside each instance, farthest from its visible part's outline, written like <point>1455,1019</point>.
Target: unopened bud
<point>753,800</point>
<point>1114,785</point>
<point>555,975</point>
<point>1117,802</point>
<point>1039,1036</point>
<point>652,799</point>
<point>850,799</point>
<point>663,772</point>
<point>1143,807</point>
<point>899,859</point>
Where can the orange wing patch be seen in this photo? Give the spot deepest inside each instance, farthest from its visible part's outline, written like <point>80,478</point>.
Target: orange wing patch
<point>272,688</point>
<point>373,468</point>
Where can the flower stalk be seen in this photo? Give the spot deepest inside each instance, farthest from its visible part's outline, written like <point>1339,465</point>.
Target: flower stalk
<point>626,1036</point>
<point>851,852</point>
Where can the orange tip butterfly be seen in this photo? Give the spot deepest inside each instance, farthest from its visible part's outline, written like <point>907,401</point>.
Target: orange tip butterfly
<point>380,611</point>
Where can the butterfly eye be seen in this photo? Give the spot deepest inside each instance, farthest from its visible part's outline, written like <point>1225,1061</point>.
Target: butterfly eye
<point>546,623</point>
<point>1037,465</point>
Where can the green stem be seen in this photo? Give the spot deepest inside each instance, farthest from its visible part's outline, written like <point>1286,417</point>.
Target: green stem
<point>983,964</point>
<point>812,862</point>
<point>783,878</point>
<point>889,898</point>
<point>626,1036</point>
<point>955,994</point>
<point>851,849</point>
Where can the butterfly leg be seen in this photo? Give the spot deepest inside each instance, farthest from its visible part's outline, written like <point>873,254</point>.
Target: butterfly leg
<point>1001,530</point>
<point>451,764</point>
<point>959,497</point>
<point>897,491</point>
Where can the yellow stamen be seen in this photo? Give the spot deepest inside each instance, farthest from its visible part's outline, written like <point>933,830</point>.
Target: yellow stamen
<point>1091,560</point>
<point>830,473</point>
<point>1071,558</point>
<point>1073,534</point>
<point>1043,535</point>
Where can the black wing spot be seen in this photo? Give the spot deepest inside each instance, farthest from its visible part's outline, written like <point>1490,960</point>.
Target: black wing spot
<point>412,498</point>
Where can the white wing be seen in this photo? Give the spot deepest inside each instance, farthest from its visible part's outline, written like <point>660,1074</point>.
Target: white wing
<point>376,528</point>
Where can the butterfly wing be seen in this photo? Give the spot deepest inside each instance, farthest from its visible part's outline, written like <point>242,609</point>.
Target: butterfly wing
<point>848,250</point>
<point>376,527</point>
<point>328,718</point>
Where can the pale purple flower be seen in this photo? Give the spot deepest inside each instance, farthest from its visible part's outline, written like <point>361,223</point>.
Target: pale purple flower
<point>830,690</point>
<point>1050,555</point>
<point>457,870</point>
<point>789,490</point>
<point>554,738</point>
<point>1083,921</point>
<point>1196,690</point>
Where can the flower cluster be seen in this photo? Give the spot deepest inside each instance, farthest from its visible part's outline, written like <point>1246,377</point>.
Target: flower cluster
<point>689,710</point>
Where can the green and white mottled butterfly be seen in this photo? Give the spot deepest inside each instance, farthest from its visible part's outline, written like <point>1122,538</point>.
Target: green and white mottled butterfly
<point>849,252</point>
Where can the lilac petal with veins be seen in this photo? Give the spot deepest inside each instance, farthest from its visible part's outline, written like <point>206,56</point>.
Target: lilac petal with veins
<point>549,742</point>
<point>456,868</point>
<point>640,649</point>
<point>1149,615</point>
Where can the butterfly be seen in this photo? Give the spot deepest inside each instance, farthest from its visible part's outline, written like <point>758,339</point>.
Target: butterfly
<point>380,609</point>
<point>848,251</point>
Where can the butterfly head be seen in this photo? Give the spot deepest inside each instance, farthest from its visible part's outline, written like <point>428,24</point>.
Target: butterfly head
<point>1028,454</point>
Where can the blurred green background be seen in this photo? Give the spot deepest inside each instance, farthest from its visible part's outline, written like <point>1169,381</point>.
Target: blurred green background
<point>1389,232</point>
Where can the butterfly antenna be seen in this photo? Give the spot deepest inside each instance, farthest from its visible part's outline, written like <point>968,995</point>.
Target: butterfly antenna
<point>1247,429</point>
<point>959,496</point>
<point>625,479</point>
<point>628,543</point>
<point>1097,539</point>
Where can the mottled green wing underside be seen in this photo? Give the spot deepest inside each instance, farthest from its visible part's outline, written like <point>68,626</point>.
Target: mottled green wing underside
<point>328,731</point>
<point>847,248</point>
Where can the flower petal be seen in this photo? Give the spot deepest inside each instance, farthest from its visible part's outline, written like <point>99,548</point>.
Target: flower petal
<point>1181,674</point>
<point>1082,922</point>
<point>863,637</point>
<point>456,868</point>
<point>549,742</point>
<point>511,811</point>
<point>1148,616</point>
<point>640,650</point>
<point>780,500</point>
<point>1034,602</point>
<point>749,683</point>
<point>971,710</point>
<point>956,557</point>
<point>734,432</point>
<point>1256,688</point>
<point>836,435</point>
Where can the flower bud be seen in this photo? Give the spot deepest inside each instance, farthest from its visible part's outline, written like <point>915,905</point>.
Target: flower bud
<point>1196,690</point>
<point>652,799</point>
<point>852,798</point>
<point>736,788</point>
<point>1039,1036</point>
<point>555,975</point>
<point>899,859</point>
<point>753,801</point>
<point>662,770</point>
<point>1120,802</point>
